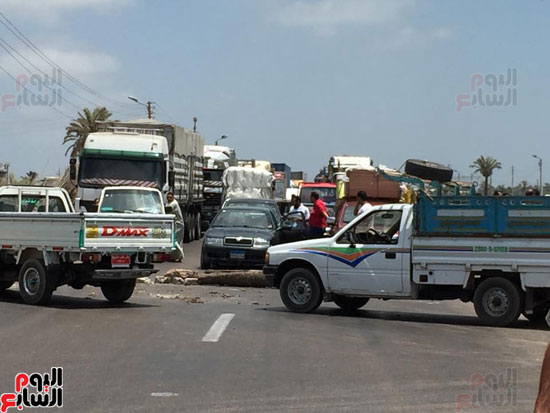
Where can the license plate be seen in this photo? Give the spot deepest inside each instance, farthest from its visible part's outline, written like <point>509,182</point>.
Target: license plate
<point>236,255</point>
<point>120,261</point>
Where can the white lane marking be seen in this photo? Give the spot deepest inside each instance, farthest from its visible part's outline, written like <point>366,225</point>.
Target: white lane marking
<point>165,394</point>
<point>217,329</point>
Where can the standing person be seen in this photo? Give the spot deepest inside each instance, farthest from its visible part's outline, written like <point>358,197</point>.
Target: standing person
<point>176,210</point>
<point>362,205</point>
<point>318,217</point>
<point>298,207</point>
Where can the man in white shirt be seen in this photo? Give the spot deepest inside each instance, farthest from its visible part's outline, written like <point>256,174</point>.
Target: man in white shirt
<point>297,207</point>
<point>362,204</point>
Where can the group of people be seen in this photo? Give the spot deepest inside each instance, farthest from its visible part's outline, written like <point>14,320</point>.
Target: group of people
<point>317,218</point>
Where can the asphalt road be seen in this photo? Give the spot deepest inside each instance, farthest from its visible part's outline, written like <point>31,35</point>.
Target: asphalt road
<point>149,355</point>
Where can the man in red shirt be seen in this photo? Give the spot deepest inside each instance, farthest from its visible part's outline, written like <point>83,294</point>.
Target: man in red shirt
<point>318,217</point>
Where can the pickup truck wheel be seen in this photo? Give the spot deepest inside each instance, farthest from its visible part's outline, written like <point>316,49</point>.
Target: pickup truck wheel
<point>35,285</point>
<point>498,301</point>
<point>350,303</point>
<point>301,291</point>
<point>118,291</point>
<point>4,285</point>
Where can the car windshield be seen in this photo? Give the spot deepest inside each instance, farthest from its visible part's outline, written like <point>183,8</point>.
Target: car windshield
<point>131,200</point>
<point>242,218</point>
<point>112,171</point>
<point>326,194</point>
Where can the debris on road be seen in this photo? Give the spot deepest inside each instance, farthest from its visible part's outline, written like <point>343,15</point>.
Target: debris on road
<point>235,278</point>
<point>193,300</point>
<point>146,281</point>
<point>191,281</point>
<point>176,276</point>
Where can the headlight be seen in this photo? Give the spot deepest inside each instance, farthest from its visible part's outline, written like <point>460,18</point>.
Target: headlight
<point>261,242</point>
<point>214,241</point>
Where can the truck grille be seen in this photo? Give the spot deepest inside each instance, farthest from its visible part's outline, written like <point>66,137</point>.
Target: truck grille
<point>240,242</point>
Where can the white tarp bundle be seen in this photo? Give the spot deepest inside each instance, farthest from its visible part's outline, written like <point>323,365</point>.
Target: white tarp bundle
<point>243,182</point>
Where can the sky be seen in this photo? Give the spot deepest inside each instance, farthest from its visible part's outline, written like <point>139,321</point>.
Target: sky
<point>293,81</point>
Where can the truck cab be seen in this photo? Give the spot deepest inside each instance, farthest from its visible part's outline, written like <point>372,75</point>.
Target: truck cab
<point>120,158</point>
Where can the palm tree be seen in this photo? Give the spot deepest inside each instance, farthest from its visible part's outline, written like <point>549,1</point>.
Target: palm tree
<point>80,128</point>
<point>485,165</point>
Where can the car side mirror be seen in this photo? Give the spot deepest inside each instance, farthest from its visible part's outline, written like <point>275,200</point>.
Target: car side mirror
<point>72,169</point>
<point>331,220</point>
<point>168,210</point>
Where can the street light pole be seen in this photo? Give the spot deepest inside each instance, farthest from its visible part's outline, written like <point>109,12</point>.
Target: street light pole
<point>222,138</point>
<point>541,185</point>
<point>148,105</point>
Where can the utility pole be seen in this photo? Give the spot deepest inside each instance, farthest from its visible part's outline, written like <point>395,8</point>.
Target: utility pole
<point>512,180</point>
<point>148,105</point>
<point>541,185</point>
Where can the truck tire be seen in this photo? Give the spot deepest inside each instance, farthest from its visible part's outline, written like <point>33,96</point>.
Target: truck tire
<point>186,230</point>
<point>35,284</point>
<point>350,303</point>
<point>301,291</point>
<point>498,301</point>
<point>198,226</point>
<point>428,170</point>
<point>118,291</point>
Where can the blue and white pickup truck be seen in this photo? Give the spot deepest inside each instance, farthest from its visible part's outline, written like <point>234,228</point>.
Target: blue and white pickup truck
<point>494,252</point>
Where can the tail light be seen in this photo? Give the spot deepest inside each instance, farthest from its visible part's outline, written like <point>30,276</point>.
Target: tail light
<point>86,257</point>
<point>157,258</point>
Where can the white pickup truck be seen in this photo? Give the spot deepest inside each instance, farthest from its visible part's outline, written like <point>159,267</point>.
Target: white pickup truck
<point>44,244</point>
<point>494,252</point>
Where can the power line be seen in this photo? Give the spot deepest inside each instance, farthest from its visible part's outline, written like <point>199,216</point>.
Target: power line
<point>27,42</point>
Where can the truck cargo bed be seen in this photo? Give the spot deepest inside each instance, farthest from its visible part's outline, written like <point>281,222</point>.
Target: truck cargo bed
<point>483,216</point>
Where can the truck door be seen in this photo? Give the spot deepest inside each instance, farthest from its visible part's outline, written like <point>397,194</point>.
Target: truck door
<point>369,256</point>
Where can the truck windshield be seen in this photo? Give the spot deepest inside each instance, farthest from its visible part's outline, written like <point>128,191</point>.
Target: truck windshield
<point>213,175</point>
<point>326,194</point>
<point>112,171</point>
<point>131,200</point>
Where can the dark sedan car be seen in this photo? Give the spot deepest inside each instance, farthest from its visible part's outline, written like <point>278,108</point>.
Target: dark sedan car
<point>240,236</point>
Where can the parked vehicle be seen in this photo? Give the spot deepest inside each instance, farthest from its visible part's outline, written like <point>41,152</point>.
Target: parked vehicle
<point>44,244</point>
<point>145,153</point>
<point>240,236</point>
<point>216,160</point>
<point>490,251</point>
